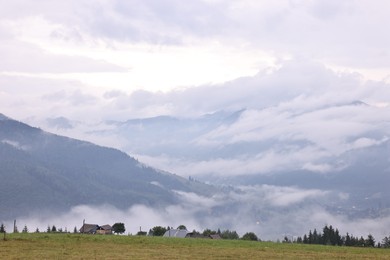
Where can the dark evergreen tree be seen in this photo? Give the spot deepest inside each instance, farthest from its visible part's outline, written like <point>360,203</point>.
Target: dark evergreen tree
<point>348,240</point>
<point>316,237</point>
<point>25,229</point>
<point>386,242</point>
<point>361,242</point>
<point>305,239</point>
<point>2,228</point>
<point>310,238</point>
<point>337,238</point>
<point>53,229</point>
<point>370,241</point>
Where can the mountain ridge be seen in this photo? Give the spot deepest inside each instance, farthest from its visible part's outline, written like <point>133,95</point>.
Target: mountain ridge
<point>48,171</point>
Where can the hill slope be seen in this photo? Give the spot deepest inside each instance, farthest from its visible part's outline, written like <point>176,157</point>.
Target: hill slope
<point>39,170</point>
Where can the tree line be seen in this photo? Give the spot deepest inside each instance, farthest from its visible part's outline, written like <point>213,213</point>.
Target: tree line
<point>331,236</point>
<point>224,234</point>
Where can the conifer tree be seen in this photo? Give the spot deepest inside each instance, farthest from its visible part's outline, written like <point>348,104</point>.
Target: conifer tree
<point>2,228</point>
<point>25,229</point>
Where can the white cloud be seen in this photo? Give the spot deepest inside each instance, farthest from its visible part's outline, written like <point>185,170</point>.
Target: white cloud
<point>270,211</point>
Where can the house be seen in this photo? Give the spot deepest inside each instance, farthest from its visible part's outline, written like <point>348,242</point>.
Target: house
<point>96,229</point>
<point>196,235</point>
<point>89,228</point>
<point>215,236</point>
<point>104,230</point>
<point>176,233</point>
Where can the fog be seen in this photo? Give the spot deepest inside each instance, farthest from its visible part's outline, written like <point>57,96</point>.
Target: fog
<point>269,211</point>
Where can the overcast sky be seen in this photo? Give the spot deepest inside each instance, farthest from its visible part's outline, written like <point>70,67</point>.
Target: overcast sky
<point>284,61</point>
<point>105,59</point>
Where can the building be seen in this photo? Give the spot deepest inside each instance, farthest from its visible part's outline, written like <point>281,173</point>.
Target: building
<point>96,229</point>
<point>182,233</point>
<point>104,230</point>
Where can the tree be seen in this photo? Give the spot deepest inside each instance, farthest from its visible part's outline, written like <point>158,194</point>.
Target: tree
<point>25,229</point>
<point>227,234</point>
<point>119,228</point>
<point>53,229</point>
<point>250,236</point>
<point>370,241</point>
<point>182,227</point>
<point>207,232</point>
<point>386,242</point>
<point>48,230</point>
<point>361,242</point>
<point>37,230</point>
<point>75,230</point>
<point>305,239</point>
<point>158,231</point>
<point>348,240</point>
<point>2,228</point>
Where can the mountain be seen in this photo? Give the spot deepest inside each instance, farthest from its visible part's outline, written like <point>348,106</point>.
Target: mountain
<point>41,171</point>
<point>340,147</point>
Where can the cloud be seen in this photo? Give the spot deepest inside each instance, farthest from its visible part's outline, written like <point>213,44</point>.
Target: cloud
<point>270,211</point>
<point>21,57</point>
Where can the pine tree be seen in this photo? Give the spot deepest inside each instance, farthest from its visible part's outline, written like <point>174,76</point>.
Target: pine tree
<point>305,239</point>
<point>370,241</point>
<point>2,228</point>
<point>25,229</point>
<point>348,240</point>
<point>386,242</point>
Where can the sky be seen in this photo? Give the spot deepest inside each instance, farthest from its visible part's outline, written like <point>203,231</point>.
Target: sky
<point>99,60</point>
<point>290,63</point>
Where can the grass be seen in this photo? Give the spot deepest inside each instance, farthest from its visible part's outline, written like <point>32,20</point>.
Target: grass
<point>77,246</point>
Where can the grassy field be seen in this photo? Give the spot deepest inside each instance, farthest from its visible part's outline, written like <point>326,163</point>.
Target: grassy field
<point>77,246</point>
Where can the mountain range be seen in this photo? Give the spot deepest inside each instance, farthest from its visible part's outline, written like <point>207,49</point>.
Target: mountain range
<point>42,171</point>
<point>340,147</point>
<point>273,171</point>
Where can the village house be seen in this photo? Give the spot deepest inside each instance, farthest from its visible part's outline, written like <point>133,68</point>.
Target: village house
<point>96,229</point>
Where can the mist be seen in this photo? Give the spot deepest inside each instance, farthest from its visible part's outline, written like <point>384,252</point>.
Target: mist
<point>270,212</point>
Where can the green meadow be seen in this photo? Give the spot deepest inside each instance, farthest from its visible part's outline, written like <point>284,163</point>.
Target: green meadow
<point>78,246</point>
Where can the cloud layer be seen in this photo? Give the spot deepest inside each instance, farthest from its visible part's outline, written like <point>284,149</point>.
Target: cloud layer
<point>269,211</point>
